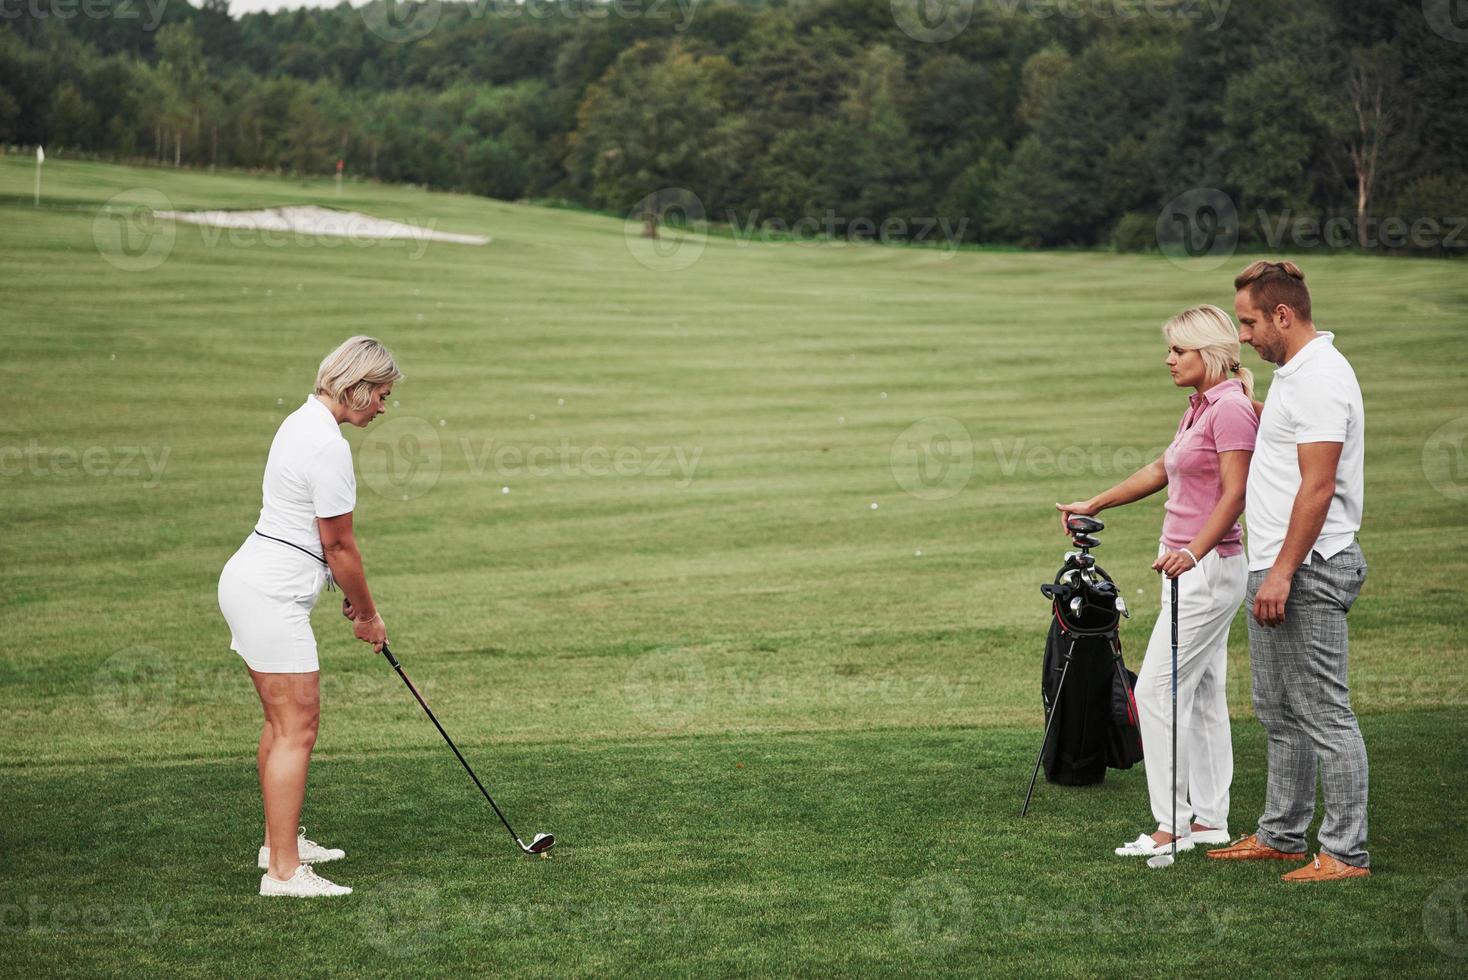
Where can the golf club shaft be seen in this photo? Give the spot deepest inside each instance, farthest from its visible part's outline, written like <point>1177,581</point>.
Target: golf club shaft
<point>1174,717</point>
<point>457,754</point>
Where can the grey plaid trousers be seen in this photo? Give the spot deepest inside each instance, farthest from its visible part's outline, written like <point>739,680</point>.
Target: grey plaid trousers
<point>1302,699</point>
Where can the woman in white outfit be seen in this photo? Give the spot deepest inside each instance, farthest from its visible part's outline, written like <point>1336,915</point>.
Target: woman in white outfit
<point>1205,471</point>
<point>303,542</point>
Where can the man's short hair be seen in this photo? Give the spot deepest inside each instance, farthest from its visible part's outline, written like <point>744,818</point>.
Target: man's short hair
<point>1272,283</point>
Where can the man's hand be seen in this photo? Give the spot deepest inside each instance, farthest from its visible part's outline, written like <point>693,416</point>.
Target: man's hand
<point>1269,601</point>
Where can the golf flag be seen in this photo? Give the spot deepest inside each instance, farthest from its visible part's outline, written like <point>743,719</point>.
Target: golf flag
<point>40,159</point>
<point>40,155</point>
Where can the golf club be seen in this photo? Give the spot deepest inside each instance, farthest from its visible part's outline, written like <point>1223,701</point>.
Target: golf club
<point>1166,860</point>
<point>541,842</point>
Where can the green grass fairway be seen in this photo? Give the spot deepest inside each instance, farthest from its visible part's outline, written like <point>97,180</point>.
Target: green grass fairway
<point>755,630</point>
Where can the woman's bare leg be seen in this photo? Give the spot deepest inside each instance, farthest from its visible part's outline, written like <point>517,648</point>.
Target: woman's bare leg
<point>292,704</point>
<point>267,737</point>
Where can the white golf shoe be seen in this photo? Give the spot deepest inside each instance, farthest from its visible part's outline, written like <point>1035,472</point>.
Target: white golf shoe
<point>305,883</point>
<point>1145,846</point>
<point>308,851</point>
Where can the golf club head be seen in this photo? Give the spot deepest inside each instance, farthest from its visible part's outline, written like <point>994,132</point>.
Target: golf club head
<point>540,844</point>
<point>1080,524</point>
<point>1163,860</point>
<point>1085,541</point>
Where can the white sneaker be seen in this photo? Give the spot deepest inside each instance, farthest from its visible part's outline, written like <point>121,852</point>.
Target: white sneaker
<point>311,852</point>
<point>1145,846</point>
<point>305,883</point>
<point>1217,836</point>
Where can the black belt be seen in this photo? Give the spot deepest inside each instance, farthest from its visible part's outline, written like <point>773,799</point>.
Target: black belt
<point>303,551</point>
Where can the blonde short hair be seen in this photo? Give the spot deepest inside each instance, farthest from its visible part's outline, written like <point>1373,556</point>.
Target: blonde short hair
<point>349,373</point>
<point>1209,331</point>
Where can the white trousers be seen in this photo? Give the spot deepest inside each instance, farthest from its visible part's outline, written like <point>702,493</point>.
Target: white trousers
<point>1208,598</point>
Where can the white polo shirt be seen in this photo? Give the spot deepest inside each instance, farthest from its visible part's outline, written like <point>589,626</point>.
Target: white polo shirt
<point>1313,398</point>
<point>308,475</point>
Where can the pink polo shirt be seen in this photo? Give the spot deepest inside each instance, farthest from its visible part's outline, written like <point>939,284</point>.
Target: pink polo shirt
<point>1220,420</point>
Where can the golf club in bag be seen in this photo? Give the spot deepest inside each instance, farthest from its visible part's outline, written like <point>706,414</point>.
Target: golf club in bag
<point>541,842</point>
<point>1091,720</point>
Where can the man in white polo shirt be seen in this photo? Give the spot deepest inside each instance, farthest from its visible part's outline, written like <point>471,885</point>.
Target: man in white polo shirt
<point>1303,509</point>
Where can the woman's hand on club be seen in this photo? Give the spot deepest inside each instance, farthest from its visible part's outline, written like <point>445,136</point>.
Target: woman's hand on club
<point>1085,508</point>
<point>1173,563</point>
<point>373,631</point>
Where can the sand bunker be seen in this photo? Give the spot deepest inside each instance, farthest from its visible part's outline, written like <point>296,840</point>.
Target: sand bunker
<point>312,220</point>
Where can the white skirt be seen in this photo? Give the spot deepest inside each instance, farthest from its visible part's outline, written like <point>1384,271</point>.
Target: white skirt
<point>266,592</point>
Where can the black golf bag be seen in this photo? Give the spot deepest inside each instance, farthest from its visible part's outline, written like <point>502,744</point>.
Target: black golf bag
<point>1095,725</point>
<point>1091,721</point>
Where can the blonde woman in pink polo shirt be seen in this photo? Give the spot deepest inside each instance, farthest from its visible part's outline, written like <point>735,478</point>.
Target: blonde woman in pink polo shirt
<point>1205,471</point>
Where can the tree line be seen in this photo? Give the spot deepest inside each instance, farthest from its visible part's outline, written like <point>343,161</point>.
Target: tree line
<point>1033,125</point>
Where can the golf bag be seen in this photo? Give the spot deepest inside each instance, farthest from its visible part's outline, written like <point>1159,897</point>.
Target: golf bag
<point>1095,724</point>
<point>1091,721</point>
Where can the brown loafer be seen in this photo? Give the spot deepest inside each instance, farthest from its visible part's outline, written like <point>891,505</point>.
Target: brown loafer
<point>1249,849</point>
<point>1326,868</point>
